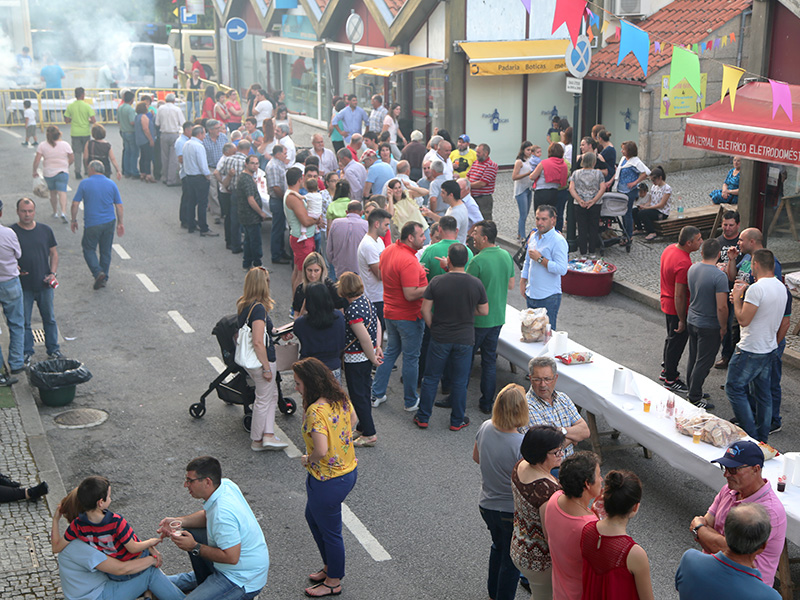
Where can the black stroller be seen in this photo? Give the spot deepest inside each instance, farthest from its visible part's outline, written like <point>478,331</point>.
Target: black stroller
<point>233,385</point>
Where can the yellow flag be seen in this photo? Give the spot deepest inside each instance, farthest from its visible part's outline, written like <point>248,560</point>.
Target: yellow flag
<point>730,81</point>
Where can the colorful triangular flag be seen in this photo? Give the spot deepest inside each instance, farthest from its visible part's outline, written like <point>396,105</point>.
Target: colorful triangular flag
<point>730,82</point>
<point>569,12</point>
<point>657,46</point>
<point>724,41</point>
<point>781,98</point>
<point>733,37</point>
<point>527,5</point>
<point>695,48</point>
<point>684,65</point>
<point>633,39</point>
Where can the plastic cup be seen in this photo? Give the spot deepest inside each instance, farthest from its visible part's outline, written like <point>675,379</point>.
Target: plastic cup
<point>781,486</point>
<point>176,527</point>
<point>696,435</point>
<point>646,405</point>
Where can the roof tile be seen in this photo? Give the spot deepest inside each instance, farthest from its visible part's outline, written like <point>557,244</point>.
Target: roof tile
<point>681,22</point>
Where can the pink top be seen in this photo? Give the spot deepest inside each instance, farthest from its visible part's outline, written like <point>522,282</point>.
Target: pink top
<point>56,158</point>
<point>605,566</point>
<point>767,561</point>
<point>564,540</point>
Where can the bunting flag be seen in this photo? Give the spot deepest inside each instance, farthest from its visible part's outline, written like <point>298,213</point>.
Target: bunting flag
<point>594,20</point>
<point>590,34</point>
<point>733,37</point>
<point>571,13</point>
<point>730,82</point>
<point>724,41</point>
<point>717,43</point>
<point>695,48</point>
<point>633,39</point>
<point>527,5</point>
<point>781,98</point>
<point>657,46</point>
<point>684,65</point>
<point>605,26</point>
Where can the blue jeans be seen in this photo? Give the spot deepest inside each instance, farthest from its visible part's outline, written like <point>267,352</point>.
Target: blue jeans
<point>94,236</point>
<point>405,337</point>
<point>775,383</point>
<point>551,303</point>
<point>278,233</point>
<point>503,575</point>
<point>486,341</point>
<point>561,206</point>
<point>197,193</point>
<point>524,205</point>
<point>11,299</point>
<point>251,256</point>
<point>747,369</point>
<point>324,517</point>
<point>44,300</point>
<point>459,358</point>
<point>627,220</point>
<point>359,386</point>
<point>150,579</point>
<point>130,154</point>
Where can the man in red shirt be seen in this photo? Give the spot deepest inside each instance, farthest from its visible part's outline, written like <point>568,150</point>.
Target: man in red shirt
<point>675,263</point>
<point>404,282</point>
<point>482,176</point>
<point>196,65</point>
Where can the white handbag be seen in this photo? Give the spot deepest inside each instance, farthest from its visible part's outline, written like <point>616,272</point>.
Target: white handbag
<point>245,353</point>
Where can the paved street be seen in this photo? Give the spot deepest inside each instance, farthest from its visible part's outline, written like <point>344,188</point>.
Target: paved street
<point>417,492</point>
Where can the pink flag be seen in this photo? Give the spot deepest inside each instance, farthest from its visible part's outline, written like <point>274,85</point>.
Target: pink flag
<point>781,98</point>
<point>527,5</point>
<point>657,47</point>
<point>571,13</point>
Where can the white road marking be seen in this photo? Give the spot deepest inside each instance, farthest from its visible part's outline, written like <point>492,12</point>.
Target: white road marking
<point>364,537</point>
<point>290,450</point>
<point>180,321</point>
<point>148,284</point>
<point>119,250</point>
<point>11,133</point>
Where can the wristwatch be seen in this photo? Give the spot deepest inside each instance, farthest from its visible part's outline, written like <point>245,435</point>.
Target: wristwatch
<point>196,550</point>
<point>564,430</point>
<point>695,530</point>
<point>540,260</point>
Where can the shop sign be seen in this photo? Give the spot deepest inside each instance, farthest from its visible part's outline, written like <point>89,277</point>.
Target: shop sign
<point>682,100</point>
<point>495,119</point>
<point>518,67</point>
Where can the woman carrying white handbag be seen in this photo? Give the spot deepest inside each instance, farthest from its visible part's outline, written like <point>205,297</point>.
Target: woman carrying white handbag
<point>256,353</point>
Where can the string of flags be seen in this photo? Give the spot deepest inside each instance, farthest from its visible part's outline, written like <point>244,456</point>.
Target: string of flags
<point>685,63</point>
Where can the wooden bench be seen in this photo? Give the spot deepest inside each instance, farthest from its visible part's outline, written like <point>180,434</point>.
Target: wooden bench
<point>705,218</point>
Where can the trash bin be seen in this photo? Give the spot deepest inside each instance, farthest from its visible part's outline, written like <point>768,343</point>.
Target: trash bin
<point>57,378</point>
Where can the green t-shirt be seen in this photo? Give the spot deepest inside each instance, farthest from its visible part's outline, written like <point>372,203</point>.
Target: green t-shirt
<point>336,210</point>
<point>80,112</point>
<point>126,115</point>
<point>429,261</point>
<point>494,267</point>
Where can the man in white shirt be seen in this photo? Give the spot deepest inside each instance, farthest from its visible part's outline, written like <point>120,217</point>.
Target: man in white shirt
<point>451,196</point>
<point>282,135</point>
<point>441,151</point>
<point>369,254</point>
<point>327,159</point>
<point>759,310</point>
<point>169,120</point>
<point>404,177</point>
<point>473,209</point>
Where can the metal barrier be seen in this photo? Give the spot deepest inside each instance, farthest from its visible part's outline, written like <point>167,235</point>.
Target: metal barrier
<point>11,105</point>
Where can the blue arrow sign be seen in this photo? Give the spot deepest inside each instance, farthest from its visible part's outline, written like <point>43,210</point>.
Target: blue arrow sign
<point>187,19</point>
<point>236,29</point>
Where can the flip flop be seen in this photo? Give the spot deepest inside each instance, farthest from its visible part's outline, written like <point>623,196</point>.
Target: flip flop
<point>650,237</point>
<point>321,584</point>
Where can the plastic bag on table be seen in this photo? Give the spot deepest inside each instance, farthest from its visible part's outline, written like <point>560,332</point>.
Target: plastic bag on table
<point>715,431</point>
<point>534,322</point>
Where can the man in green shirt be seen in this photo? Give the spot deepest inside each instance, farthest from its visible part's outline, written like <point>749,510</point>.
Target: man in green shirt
<point>80,116</point>
<point>126,115</point>
<point>494,267</point>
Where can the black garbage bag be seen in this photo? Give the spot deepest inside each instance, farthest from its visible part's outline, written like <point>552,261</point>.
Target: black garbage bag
<point>57,373</point>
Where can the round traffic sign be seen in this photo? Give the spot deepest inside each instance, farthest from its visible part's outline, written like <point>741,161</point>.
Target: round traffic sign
<point>354,28</point>
<point>236,29</point>
<point>579,57</point>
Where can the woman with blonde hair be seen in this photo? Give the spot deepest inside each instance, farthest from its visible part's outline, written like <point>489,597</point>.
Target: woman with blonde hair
<point>314,271</point>
<point>496,450</point>
<point>56,156</point>
<point>253,308</point>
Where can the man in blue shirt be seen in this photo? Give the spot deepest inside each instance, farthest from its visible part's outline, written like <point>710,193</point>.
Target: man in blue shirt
<point>350,118</point>
<point>225,543</point>
<point>52,74</point>
<point>195,166</point>
<point>545,264</point>
<point>378,174</point>
<point>102,210</point>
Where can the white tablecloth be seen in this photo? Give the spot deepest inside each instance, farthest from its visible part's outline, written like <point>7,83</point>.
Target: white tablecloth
<point>589,386</point>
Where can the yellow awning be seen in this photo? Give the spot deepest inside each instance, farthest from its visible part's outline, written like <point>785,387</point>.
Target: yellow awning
<point>385,66</point>
<point>290,46</point>
<point>516,58</point>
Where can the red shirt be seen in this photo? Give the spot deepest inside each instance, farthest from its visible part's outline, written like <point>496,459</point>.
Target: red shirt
<point>675,264</point>
<point>400,268</point>
<point>485,171</point>
<point>353,152</point>
<point>196,65</point>
<point>387,239</point>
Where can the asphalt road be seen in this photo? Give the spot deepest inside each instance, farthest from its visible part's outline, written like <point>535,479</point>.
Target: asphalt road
<point>417,492</point>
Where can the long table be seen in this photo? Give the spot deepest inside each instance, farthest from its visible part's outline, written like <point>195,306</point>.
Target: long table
<point>589,386</point>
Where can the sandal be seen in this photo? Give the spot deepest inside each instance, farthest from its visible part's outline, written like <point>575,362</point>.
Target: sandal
<point>331,590</point>
<point>365,442</point>
<point>315,577</point>
<point>650,237</point>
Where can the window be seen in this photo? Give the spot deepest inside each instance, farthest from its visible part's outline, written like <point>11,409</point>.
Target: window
<point>201,42</point>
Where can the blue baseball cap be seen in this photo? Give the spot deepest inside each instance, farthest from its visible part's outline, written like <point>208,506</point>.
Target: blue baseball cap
<point>742,454</point>
<point>464,137</point>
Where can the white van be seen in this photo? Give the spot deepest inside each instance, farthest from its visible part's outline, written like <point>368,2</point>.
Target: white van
<point>149,65</point>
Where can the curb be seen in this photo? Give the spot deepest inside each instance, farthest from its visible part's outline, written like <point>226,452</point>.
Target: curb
<point>38,444</point>
<point>649,299</point>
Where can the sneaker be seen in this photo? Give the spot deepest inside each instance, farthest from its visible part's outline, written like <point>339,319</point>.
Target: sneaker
<point>64,217</point>
<point>7,380</point>
<point>705,405</point>
<point>677,386</point>
<point>444,403</point>
<point>28,361</point>
<point>775,428</point>
<point>412,408</point>
<point>376,401</point>
<point>209,233</point>
<point>257,447</point>
<point>37,491</point>
<point>486,410</point>
<point>25,144</point>
<point>464,423</point>
<point>662,376</point>
<point>274,444</point>
<point>55,354</point>
<point>420,424</point>
<point>18,370</point>
<point>100,280</point>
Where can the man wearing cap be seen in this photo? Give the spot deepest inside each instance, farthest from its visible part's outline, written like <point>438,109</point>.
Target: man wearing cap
<point>742,464</point>
<point>378,173</point>
<point>730,573</point>
<point>463,156</point>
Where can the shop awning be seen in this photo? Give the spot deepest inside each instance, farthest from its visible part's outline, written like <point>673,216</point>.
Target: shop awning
<point>749,130</point>
<point>385,66</point>
<point>290,46</point>
<point>516,58</point>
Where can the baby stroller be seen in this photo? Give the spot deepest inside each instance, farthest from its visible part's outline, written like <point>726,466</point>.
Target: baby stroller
<point>612,211</point>
<point>239,389</point>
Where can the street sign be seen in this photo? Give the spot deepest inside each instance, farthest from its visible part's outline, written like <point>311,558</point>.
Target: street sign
<point>354,28</point>
<point>579,57</point>
<point>236,29</point>
<point>186,18</point>
<point>574,85</point>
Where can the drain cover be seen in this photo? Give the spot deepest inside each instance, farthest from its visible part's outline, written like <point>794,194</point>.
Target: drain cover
<point>80,418</point>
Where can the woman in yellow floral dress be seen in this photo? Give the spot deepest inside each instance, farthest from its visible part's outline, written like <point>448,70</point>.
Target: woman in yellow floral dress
<point>331,464</point>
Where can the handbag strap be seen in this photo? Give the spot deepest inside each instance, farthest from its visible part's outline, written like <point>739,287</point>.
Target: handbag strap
<point>250,312</point>
<point>370,318</point>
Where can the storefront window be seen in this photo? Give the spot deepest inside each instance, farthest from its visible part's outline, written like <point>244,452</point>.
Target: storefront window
<point>782,211</point>
<point>366,86</point>
<point>428,104</point>
<point>299,82</point>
